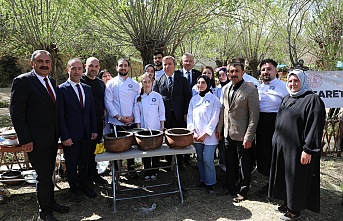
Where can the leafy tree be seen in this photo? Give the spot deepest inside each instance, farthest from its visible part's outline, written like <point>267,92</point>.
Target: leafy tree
<point>326,31</point>
<point>42,24</point>
<point>150,25</point>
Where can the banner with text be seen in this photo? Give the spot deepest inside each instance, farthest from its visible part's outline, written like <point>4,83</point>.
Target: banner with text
<point>328,85</point>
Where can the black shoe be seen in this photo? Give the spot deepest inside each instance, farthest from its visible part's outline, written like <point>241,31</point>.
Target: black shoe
<point>60,208</point>
<point>134,174</point>
<point>76,197</point>
<point>288,216</point>
<point>46,217</point>
<point>182,167</point>
<point>88,192</point>
<point>239,198</point>
<point>99,180</point>
<point>227,193</point>
<point>263,190</point>
<point>210,188</point>
<point>283,208</point>
<point>187,161</point>
<point>201,184</point>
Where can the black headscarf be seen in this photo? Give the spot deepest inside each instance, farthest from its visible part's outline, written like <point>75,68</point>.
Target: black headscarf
<point>227,79</point>
<point>208,85</point>
<point>148,65</point>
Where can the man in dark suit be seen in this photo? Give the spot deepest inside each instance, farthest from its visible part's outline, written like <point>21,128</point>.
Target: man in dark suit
<point>176,95</point>
<point>187,71</point>
<point>191,75</point>
<point>34,111</point>
<point>239,117</point>
<point>78,128</point>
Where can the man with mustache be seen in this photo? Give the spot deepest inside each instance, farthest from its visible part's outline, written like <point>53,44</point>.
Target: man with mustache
<point>239,116</point>
<point>271,92</point>
<point>90,78</point>
<point>120,94</point>
<point>34,111</point>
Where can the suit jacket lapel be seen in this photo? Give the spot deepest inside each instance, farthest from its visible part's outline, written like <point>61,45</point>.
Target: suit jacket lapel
<point>41,88</point>
<point>71,91</point>
<point>238,93</point>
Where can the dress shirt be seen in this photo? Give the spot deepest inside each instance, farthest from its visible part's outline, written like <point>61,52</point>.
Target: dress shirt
<point>188,75</point>
<point>73,84</point>
<point>41,80</point>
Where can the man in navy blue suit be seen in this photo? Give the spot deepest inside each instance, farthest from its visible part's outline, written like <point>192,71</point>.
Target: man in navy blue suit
<point>78,127</point>
<point>187,70</point>
<point>191,75</point>
<point>176,95</point>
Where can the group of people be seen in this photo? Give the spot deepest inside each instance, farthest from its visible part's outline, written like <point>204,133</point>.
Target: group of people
<point>283,120</point>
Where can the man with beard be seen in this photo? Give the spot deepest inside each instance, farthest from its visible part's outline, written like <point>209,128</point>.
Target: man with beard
<point>158,64</point>
<point>90,78</point>
<point>120,94</point>
<point>271,92</point>
<point>34,111</point>
<point>239,116</point>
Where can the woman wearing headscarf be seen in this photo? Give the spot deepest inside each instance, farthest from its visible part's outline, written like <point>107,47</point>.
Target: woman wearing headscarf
<point>202,118</point>
<point>209,72</point>
<point>295,167</point>
<point>223,80</point>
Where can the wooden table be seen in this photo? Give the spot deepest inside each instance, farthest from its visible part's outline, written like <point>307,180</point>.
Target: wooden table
<point>13,150</point>
<point>134,152</point>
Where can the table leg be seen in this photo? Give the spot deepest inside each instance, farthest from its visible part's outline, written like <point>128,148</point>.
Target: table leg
<point>113,184</point>
<point>178,178</point>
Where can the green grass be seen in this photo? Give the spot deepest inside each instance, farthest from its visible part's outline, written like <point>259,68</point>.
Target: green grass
<point>5,90</point>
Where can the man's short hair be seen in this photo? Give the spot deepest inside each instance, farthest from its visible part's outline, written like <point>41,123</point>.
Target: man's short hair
<point>235,63</point>
<point>157,53</point>
<point>73,59</point>
<point>187,55</point>
<point>169,57</point>
<point>35,53</point>
<point>238,59</point>
<point>124,59</point>
<point>270,61</point>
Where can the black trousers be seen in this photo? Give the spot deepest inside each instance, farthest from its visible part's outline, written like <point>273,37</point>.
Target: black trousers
<point>92,171</point>
<point>264,136</point>
<point>76,160</point>
<point>43,161</point>
<point>238,166</point>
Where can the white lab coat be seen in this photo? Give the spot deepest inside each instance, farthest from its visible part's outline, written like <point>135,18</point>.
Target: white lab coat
<point>150,111</point>
<point>203,116</point>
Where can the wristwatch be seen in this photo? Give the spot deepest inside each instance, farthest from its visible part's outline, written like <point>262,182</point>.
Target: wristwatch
<point>118,118</point>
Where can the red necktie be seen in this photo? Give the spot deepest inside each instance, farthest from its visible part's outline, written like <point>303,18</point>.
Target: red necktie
<point>80,95</point>
<point>49,90</point>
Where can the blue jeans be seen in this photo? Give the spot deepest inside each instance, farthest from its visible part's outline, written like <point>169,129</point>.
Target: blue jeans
<point>205,158</point>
